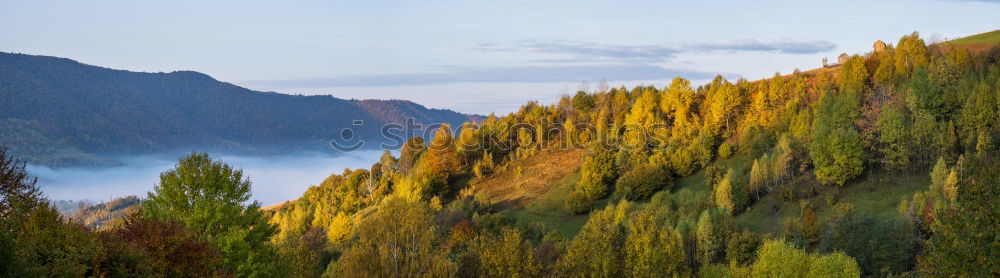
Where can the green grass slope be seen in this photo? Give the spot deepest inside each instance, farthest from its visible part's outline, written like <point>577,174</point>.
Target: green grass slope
<point>988,37</point>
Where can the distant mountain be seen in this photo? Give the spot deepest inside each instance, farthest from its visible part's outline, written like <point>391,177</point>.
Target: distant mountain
<point>60,112</point>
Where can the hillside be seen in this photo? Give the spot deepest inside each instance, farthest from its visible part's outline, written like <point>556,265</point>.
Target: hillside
<point>881,166</point>
<point>60,112</point>
<point>863,159</point>
<point>992,37</point>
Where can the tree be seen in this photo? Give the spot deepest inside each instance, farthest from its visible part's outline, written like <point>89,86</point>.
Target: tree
<point>777,258</point>
<point>853,77</point>
<point>411,152</point>
<point>468,144</point>
<point>836,148</point>
<point>894,129</point>
<point>836,264</point>
<point>441,159</point>
<point>741,248</point>
<point>965,242</point>
<point>209,197</point>
<point>911,53</point>
<point>140,247</point>
<point>721,102</point>
<point>49,247</point>
<point>507,254</point>
<point>644,121</point>
<point>758,177</point>
<point>597,249</point>
<point>710,242</point>
<point>598,172</point>
<point>939,174</point>
<point>729,193</point>
<point>305,254</point>
<point>18,192</point>
<point>395,241</point>
<point>653,247</point>
<point>36,240</point>
<point>881,245</point>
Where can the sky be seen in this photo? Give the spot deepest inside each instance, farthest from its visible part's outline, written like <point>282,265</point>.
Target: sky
<point>472,56</point>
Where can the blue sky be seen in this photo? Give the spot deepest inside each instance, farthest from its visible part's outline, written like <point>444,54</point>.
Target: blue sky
<point>471,56</point>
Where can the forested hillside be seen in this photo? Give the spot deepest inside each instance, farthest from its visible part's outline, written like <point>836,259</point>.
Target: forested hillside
<point>57,111</point>
<point>884,165</point>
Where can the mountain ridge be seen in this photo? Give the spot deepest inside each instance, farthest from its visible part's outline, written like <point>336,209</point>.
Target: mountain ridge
<point>60,112</point>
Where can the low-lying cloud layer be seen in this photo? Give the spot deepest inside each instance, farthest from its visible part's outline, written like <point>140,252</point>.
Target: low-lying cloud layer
<point>275,179</point>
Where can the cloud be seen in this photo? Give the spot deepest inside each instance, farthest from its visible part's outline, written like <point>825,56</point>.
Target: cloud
<point>526,74</point>
<point>782,46</point>
<point>588,50</point>
<point>650,53</point>
<point>563,61</point>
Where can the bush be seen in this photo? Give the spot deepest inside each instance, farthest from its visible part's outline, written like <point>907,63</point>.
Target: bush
<point>577,203</point>
<point>640,183</point>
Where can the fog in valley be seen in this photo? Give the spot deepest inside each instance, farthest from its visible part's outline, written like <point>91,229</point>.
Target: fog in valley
<point>275,178</point>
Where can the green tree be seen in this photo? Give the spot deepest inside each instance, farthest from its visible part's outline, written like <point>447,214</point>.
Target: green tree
<point>209,197</point>
<point>730,194</point>
<point>395,241</point>
<point>835,265</point>
<point>777,258</point>
<point>49,247</point>
<point>853,77</point>
<point>37,241</point>
<point>18,190</point>
<point>881,245</point>
<point>652,247</point>
<point>894,130</point>
<point>836,148</point>
<point>597,249</point>
<point>741,248</point>
<point>305,254</point>
<point>965,242</point>
<point>710,245</point>
<point>507,255</point>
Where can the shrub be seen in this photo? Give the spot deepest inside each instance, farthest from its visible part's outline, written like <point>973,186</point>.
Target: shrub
<point>640,183</point>
<point>577,203</point>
